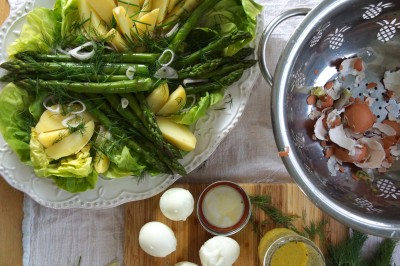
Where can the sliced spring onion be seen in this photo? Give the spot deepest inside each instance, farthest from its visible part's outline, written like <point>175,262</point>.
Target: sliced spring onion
<point>194,98</point>
<point>172,31</point>
<point>130,72</point>
<point>170,60</point>
<point>166,72</point>
<point>52,108</point>
<point>124,103</point>
<point>72,120</point>
<point>190,81</point>
<point>79,111</point>
<point>84,55</point>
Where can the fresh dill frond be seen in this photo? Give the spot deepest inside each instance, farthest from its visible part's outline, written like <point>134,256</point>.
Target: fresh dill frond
<point>263,202</point>
<point>383,256</point>
<point>314,229</point>
<point>348,252</point>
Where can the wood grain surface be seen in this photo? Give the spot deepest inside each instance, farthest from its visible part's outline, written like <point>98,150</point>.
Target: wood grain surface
<point>190,235</point>
<point>10,205</point>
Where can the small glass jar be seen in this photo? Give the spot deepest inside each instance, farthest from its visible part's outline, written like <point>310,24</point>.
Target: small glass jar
<point>223,208</point>
<point>282,246</point>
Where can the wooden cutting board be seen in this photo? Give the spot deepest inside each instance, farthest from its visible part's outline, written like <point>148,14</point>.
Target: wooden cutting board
<point>190,235</point>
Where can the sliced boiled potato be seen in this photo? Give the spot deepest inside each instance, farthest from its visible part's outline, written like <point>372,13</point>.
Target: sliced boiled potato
<point>51,137</point>
<point>146,23</point>
<point>49,121</point>
<point>103,8</point>
<point>182,8</point>
<point>163,6</point>
<point>123,21</point>
<point>176,101</point>
<point>141,2</point>
<point>72,143</point>
<point>172,4</point>
<point>93,25</point>
<point>145,8</point>
<point>101,162</point>
<point>117,41</point>
<point>178,135</point>
<point>132,7</point>
<point>158,97</point>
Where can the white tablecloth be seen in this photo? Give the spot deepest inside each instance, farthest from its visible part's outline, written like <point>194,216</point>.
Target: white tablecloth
<point>95,237</point>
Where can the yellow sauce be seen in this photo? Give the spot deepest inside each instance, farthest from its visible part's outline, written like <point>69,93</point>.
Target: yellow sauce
<point>292,253</point>
<point>223,206</point>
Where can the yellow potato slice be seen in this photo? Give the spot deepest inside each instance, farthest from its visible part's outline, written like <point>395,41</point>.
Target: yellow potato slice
<point>132,7</point>
<point>163,6</point>
<point>72,143</point>
<point>146,23</point>
<point>158,97</point>
<point>103,8</point>
<point>176,101</point>
<point>93,26</point>
<point>182,8</point>
<point>123,21</point>
<point>145,8</point>
<point>115,39</point>
<point>178,135</point>
<point>51,137</point>
<point>172,4</point>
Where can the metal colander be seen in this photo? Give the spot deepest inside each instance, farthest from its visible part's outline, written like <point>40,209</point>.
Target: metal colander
<point>334,30</point>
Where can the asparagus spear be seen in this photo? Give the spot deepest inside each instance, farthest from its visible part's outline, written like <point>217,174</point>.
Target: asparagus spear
<point>68,68</point>
<point>136,58</point>
<point>123,86</point>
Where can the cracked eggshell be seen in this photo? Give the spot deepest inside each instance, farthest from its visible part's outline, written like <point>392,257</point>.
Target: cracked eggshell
<point>177,204</point>
<point>357,154</point>
<point>395,125</point>
<point>157,239</point>
<point>359,117</point>
<point>392,81</point>
<point>376,153</point>
<point>385,129</point>
<point>219,251</point>
<point>338,136</point>
<point>319,129</point>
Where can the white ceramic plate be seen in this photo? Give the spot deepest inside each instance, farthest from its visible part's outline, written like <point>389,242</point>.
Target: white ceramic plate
<point>209,130</point>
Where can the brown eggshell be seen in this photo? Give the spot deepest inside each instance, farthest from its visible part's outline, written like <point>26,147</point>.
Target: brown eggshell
<point>359,117</point>
<point>326,101</point>
<point>343,154</point>
<point>394,125</point>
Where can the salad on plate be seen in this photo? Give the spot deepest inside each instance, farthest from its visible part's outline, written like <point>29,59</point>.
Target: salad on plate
<point>113,88</point>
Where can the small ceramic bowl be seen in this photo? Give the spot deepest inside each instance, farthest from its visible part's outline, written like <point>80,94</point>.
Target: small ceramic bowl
<point>223,208</point>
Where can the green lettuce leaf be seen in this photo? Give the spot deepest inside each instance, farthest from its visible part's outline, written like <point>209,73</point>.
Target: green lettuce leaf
<point>15,120</point>
<point>224,18</point>
<point>41,32</point>
<point>124,164</point>
<point>70,18</point>
<point>199,109</point>
<point>74,185</point>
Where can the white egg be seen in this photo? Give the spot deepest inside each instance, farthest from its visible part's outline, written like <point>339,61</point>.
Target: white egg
<point>177,204</point>
<point>157,239</point>
<point>185,263</point>
<point>219,251</point>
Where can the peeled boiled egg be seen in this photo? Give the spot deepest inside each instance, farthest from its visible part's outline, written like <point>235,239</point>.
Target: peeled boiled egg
<point>185,263</point>
<point>157,239</point>
<point>177,204</point>
<point>219,251</point>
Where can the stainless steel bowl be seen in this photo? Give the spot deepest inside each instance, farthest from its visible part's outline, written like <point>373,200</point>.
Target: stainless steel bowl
<point>333,30</point>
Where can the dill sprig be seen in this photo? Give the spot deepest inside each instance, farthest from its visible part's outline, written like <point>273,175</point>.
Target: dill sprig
<point>383,256</point>
<point>348,252</point>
